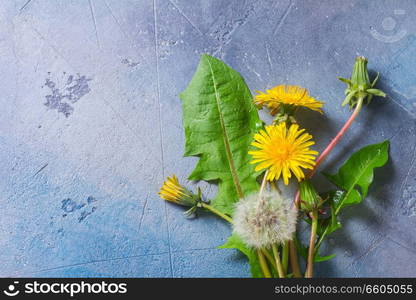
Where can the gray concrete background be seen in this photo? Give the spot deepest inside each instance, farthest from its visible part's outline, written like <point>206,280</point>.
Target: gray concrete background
<point>91,124</point>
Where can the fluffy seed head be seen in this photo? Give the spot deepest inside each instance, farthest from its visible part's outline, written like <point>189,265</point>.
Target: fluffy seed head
<point>265,221</point>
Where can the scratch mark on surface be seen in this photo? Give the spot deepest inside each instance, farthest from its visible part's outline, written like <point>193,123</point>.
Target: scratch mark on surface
<point>268,57</point>
<point>406,179</point>
<point>401,106</point>
<point>126,35</point>
<point>116,20</point>
<point>395,134</point>
<point>411,165</point>
<point>283,18</point>
<point>41,169</point>
<point>372,247</point>
<point>37,65</point>
<point>196,249</point>
<point>49,44</point>
<point>97,261</point>
<point>223,33</point>
<point>401,245</point>
<point>186,17</point>
<point>118,115</point>
<point>24,5</point>
<point>254,71</point>
<point>160,129</point>
<point>95,22</point>
<point>143,211</point>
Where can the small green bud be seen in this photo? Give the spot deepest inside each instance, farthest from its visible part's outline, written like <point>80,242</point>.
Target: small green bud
<point>359,85</point>
<point>285,114</point>
<point>310,200</point>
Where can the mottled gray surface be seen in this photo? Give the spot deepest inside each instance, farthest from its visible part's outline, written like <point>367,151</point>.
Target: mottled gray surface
<point>91,124</point>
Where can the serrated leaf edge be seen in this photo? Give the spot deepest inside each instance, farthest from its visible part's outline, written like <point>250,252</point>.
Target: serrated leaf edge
<point>229,154</point>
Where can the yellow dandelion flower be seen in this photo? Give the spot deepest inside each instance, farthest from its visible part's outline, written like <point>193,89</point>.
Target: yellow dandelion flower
<point>291,95</point>
<point>173,191</point>
<point>283,151</point>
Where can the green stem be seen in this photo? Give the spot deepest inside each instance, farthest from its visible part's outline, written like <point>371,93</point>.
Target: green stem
<point>278,262</point>
<point>293,253</point>
<point>263,264</point>
<point>217,212</point>
<point>321,239</point>
<point>270,258</point>
<point>260,252</point>
<point>294,263</point>
<point>311,252</point>
<point>285,257</point>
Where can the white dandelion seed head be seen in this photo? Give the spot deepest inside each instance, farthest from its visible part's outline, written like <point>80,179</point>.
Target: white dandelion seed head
<point>266,221</point>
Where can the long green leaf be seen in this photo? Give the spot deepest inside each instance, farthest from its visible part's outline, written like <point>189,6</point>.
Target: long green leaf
<point>220,119</point>
<point>354,178</point>
<point>234,242</point>
<point>358,172</point>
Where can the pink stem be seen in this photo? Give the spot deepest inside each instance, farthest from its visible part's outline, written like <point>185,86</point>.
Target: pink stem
<point>331,145</point>
<point>324,154</point>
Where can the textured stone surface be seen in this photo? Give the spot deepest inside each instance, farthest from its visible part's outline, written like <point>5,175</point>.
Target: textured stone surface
<point>91,124</point>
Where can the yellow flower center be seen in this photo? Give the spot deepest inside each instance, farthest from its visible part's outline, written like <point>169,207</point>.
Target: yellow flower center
<point>282,153</point>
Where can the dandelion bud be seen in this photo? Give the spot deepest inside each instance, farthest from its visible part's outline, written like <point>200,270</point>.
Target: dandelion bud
<point>265,221</point>
<point>359,86</point>
<point>174,192</point>
<point>310,200</point>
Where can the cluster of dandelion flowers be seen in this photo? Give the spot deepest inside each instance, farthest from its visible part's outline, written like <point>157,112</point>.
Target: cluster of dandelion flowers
<point>283,151</point>
<point>265,221</point>
<point>290,95</point>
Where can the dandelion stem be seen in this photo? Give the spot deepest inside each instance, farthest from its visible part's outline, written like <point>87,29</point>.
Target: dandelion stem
<point>260,200</point>
<point>278,262</point>
<point>285,257</point>
<point>311,252</point>
<point>217,212</point>
<point>269,258</point>
<point>321,158</point>
<point>260,253</point>
<point>293,253</point>
<point>263,264</point>
<point>333,143</point>
<point>294,263</point>
<point>336,139</point>
<point>263,183</point>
